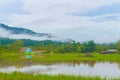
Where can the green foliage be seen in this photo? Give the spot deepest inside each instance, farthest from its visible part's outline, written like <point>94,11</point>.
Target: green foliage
<point>100,48</point>
<point>16,46</point>
<point>118,45</point>
<point>88,46</point>
<point>55,46</point>
<point>28,42</point>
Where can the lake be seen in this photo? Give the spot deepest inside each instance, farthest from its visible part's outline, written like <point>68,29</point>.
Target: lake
<point>102,69</point>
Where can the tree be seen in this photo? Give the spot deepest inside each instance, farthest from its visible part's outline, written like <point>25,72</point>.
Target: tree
<point>118,45</point>
<point>112,46</point>
<point>1,48</point>
<point>18,44</point>
<point>100,48</point>
<point>78,49</point>
<point>88,46</point>
<point>91,46</point>
<point>15,46</point>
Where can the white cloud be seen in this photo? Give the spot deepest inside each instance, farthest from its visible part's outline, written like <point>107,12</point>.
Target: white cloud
<point>4,33</point>
<point>4,3</point>
<point>41,9</point>
<point>55,16</point>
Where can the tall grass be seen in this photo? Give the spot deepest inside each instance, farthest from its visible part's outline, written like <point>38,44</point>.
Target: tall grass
<point>22,76</point>
<point>15,57</point>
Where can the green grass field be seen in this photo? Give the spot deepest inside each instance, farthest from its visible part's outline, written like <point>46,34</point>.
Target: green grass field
<point>22,76</point>
<point>14,57</point>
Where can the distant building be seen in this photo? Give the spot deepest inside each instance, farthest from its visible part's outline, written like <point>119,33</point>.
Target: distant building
<point>26,52</point>
<point>25,49</point>
<point>109,51</point>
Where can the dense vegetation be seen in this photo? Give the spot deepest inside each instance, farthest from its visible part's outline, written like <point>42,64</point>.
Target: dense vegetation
<point>55,46</point>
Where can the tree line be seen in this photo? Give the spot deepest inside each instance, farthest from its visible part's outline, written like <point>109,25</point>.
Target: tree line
<point>12,45</point>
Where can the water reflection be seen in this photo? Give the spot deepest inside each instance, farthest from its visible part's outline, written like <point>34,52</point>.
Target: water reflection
<point>87,68</point>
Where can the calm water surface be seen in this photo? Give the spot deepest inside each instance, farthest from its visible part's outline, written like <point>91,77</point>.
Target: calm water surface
<point>102,69</point>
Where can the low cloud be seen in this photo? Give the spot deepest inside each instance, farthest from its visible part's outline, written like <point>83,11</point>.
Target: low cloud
<point>7,34</point>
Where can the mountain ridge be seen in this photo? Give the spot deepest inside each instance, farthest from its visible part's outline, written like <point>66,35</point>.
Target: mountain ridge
<point>17,31</point>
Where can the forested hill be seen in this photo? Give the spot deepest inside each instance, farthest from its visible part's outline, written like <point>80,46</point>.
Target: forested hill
<point>28,42</point>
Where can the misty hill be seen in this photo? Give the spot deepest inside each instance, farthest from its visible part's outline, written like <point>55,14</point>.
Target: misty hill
<point>18,31</point>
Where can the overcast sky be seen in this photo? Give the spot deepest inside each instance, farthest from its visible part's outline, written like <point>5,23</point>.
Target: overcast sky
<point>80,20</point>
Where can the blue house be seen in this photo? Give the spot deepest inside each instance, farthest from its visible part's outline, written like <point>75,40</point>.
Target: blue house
<point>28,50</point>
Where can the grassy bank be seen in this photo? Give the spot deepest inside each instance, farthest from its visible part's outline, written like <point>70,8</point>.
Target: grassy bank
<point>14,57</point>
<point>22,76</point>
